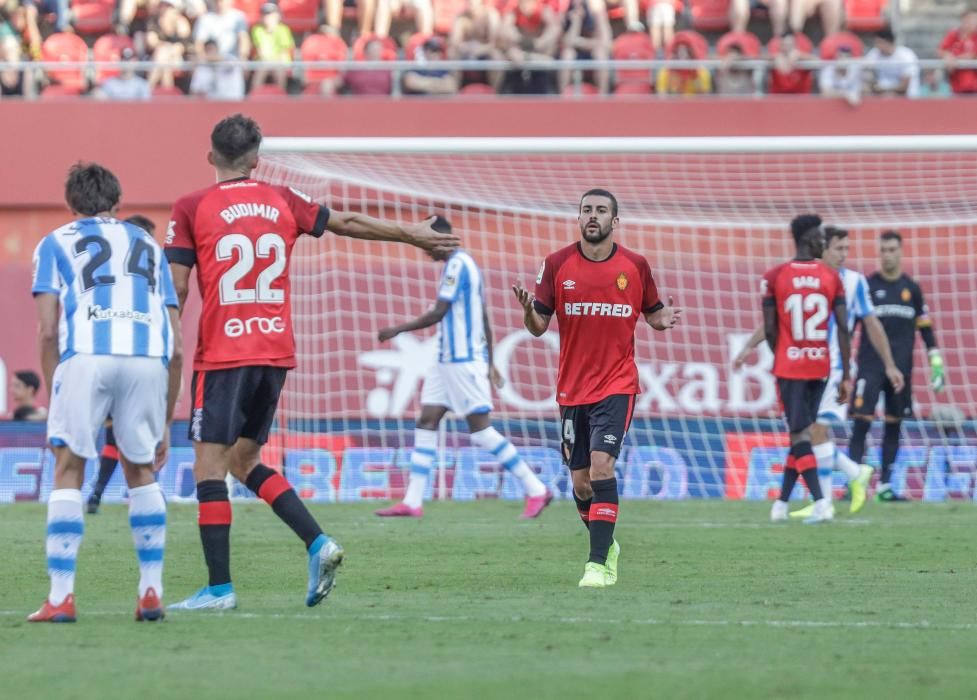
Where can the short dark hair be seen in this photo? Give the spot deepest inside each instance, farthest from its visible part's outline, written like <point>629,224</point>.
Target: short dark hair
<point>233,139</point>
<point>598,192</point>
<point>143,222</point>
<point>885,34</point>
<point>891,236</point>
<point>29,377</point>
<point>91,188</point>
<point>833,232</point>
<point>802,224</point>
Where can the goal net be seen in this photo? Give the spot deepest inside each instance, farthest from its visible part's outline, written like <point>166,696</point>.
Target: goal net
<point>711,215</point>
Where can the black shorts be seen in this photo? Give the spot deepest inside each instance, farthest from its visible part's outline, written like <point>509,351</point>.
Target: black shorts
<point>800,399</point>
<point>604,424</point>
<point>870,384</point>
<point>233,403</point>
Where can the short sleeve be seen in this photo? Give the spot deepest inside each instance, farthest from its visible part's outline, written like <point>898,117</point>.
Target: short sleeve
<point>545,290</point>
<point>180,246</point>
<point>863,299</point>
<point>650,302</point>
<point>167,287</point>
<point>451,280</point>
<point>309,216</point>
<point>768,286</point>
<point>46,279</point>
<point>922,311</point>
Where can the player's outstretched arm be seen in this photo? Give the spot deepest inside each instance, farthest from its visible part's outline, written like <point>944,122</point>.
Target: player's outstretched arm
<point>770,327</point>
<point>844,346</point>
<point>535,322</point>
<point>425,320</point>
<point>47,337</point>
<point>666,317</point>
<point>925,326</point>
<point>181,283</point>
<point>880,341</point>
<point>174,381</point>
<point>494,375</point>
<point>751,344</point>
<point>421,235</point>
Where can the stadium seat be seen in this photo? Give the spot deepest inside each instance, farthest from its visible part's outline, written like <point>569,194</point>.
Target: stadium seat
<point>66,47</point>
<point>445,12</point>
<point>633,46</point>
<point>300,15</point>
<point>582,90</point>
<point>803,43</point>
<point>633,88</point>
<point>58,91</point>
<point>251,9</point>
<point>865,15</point>
<point>322,47</point>
<point>92,16</point>
<point>269,91</point>
<point>412,44</point>
<point>830,45</point>
<point>710,15</point>
<point>108,48</point>
<point>389,47</point>
<point>747,41</point>
<point>695,41</point>
<point>477,89</point>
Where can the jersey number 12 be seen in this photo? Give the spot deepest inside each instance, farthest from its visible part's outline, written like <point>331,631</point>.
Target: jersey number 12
<point>807,313</point>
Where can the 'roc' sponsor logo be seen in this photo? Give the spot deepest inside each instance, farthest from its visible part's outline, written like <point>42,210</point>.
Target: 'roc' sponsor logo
<point>587,308</point>
<point>236,327</point>
<point>796,353</point>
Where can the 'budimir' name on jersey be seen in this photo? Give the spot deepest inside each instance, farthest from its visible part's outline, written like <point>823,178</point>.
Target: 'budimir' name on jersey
<point>238,211</point>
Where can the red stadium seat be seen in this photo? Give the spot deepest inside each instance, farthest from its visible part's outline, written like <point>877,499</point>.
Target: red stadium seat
<point>92,16</point>
<point>633,89</point>
<point>389,47</point>
<point>57,92</point>
<point>251,9</point>
<point>582,90</point>
<point>413,43</point>
<point>109,48</point>
<point>865,15</point>
<point>477,89</point>
<point>695,41</point>
<point>445,12</point>
<point>633,46</point>
<point>801,40</point>
<point>710,15</point>
<point>300,15</point>
<point>830,45</point>
<point>267,92</point>
<point>66,47</point>
<point>748,42</point>
<point>323,47</point>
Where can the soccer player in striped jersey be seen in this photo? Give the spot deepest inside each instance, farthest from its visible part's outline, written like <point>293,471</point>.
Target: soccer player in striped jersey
<point>859,304</point>
<point>110,344</point>
<point>459,383</point>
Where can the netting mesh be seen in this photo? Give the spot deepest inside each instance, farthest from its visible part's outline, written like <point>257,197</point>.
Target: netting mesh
<point>710,225</point>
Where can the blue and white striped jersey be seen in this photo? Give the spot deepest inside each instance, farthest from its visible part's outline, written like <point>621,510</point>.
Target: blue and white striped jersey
<point>859,303</point>
<point>114,285</point>
<point>461,333</point>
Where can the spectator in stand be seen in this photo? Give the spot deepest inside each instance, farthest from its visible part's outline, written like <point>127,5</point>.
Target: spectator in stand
<point>226,26</point>
<point>832,14</point>
<point>531,31</point>
<point>126,85</point>
<point>739,14</point>
<point>587,36</point>
<point>683,81</point>
<point>13,82</point>
<point>273,41</point>
<point>733,78</point>
<point>842,78</point>
<point>21,16</point>
<point>961,43</point>
<point>475,37</point>
<point>167,40</point>
<point>632,11</point>
<point>431,80</point>
<point>660,19</point>
<point>786,78</point>
<point>895,69</point>
<point>934,85</point>
<point>365,14</point>
<point>213,78</point>
<point>388,9</point>
<point>372,81</point>
<point>24,386</point>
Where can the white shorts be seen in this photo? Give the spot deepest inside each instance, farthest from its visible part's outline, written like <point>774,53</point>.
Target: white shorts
<point>89,388</point>
<point>461,387</point>
<point>830,411</point>
<point>662,14</point>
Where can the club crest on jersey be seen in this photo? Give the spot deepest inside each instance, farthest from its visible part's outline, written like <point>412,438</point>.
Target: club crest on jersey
<point>906,295</point>
<point>622,281</point>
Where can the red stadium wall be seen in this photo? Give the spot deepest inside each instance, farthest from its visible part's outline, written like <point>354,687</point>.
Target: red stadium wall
<point>159,151</point>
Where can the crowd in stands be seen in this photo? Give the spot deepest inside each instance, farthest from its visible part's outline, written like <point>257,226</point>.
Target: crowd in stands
<point>196,47</point>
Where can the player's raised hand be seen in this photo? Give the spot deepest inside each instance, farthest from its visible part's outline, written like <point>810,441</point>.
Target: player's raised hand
<point>895,378</point>
<point>495,376</point>
<point>386,334</point>
<point>524,296</point>
<point>434,243</point>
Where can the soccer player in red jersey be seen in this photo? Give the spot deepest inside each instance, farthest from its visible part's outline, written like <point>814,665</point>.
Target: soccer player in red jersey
<point>239,233</point>
<point>798,298</point>
<point>597,289</point>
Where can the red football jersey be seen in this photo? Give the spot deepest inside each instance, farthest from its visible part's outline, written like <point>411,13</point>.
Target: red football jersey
<point>805,293</point>
<point>240,235</point>
<point>597,305</point>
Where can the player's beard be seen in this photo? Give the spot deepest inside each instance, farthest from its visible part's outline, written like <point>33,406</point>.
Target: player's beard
<point>598,236</point>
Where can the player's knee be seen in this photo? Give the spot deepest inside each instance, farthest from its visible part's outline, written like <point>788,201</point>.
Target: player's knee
<point>601,465</point>
<point>581,484</point>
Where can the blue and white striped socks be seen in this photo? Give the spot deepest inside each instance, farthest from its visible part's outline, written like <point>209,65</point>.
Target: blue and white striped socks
<point>147,518</point>
<point>421,461</point>
<point>65,528</point>
<point>492,440</point>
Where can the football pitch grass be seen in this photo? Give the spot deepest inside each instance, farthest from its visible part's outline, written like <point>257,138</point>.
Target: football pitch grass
<point>712,602</point>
